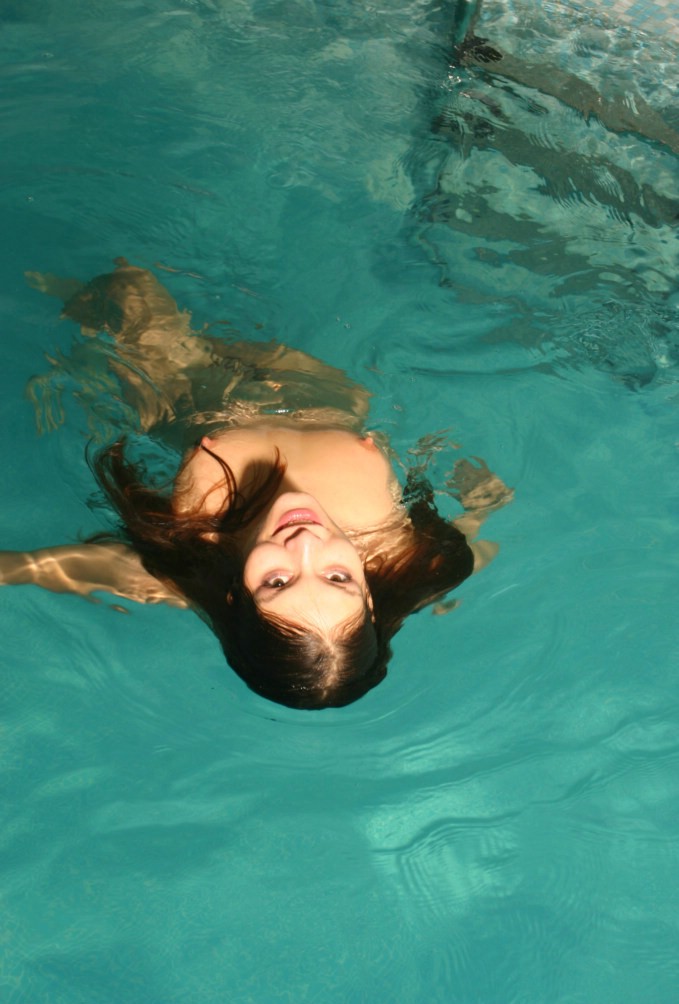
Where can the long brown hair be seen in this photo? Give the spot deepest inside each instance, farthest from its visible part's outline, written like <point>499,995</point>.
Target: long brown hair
<point>199,554</point>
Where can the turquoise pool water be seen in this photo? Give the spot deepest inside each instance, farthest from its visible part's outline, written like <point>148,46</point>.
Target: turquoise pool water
<point>498,822</point>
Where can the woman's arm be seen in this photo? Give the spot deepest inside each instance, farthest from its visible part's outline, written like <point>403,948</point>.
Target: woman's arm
<point>86,569</point>
<point>480,492</point>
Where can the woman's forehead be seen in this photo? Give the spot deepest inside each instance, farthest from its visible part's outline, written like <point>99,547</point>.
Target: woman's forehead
<point>321,606</point>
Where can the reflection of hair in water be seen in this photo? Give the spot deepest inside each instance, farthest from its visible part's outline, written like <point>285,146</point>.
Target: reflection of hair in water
<point>200,555</point>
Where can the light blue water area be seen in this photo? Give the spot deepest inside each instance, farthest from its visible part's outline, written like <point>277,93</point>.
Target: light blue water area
<point>498,821</point>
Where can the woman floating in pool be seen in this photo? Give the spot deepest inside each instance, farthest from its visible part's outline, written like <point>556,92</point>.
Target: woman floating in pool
<point>285,528</point>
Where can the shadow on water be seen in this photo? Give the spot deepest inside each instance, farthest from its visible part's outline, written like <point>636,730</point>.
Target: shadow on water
<point>553,192</point>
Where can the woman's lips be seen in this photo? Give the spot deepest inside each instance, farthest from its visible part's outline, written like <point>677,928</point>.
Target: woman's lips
<point>293,516</point>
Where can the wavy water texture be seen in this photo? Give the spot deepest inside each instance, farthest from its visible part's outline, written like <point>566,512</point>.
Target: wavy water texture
<point>551,179</point>
<point>496,822</point>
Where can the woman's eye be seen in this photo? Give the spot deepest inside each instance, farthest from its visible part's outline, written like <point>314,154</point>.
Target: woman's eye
<point>338,577</point>
<point>276,582</point>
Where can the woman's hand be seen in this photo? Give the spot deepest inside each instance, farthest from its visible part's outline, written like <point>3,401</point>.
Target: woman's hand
<point>480,492</point>
<point>477,488</point>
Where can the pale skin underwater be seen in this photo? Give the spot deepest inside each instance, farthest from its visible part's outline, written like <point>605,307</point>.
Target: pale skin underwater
<point>175,382</point>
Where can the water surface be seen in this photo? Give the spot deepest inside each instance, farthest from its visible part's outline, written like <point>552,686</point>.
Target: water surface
<point>496,822</point>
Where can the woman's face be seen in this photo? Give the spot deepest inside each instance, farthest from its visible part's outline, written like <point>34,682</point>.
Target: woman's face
<point>300,567</point>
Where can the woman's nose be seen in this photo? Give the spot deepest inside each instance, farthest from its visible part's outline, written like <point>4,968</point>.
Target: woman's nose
<point>304,537</point>
<point>304,547</point>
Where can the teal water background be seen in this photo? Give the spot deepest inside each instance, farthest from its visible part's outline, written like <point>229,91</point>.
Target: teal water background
<point>498,822</point>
